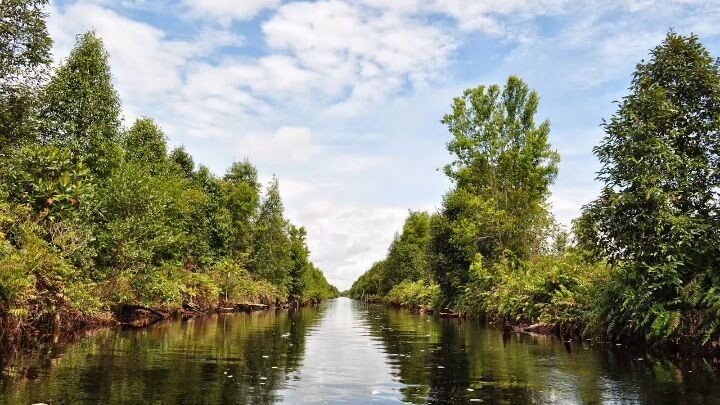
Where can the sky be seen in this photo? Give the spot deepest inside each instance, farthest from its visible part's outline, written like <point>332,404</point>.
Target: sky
<point>342,99</point>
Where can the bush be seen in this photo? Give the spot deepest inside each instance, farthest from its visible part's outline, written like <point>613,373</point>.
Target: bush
<point>415,294</point>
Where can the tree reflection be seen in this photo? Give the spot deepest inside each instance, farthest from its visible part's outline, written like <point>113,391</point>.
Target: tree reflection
<point>227,358</point>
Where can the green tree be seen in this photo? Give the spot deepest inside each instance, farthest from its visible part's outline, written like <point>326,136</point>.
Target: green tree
<point>24,60</point>
<point>183,160</point>
<point>407,256</point>
<point>271,256</point>
<point>502,171</point>
<point>658,212</point>
<point>80,108</point>
<point>300,257</point>
<point>145,143</point>
<point>241,192</point>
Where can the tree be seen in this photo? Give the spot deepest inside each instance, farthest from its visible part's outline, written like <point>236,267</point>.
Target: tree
<point>183,160</point>
<point>241,193</point>
<point>24,60</point>
<point>502,171</point>
<point>145,143</point>
<point>271,254</point>
<point>658,212</point>
<point>80,108</point>
<point>300,257</point>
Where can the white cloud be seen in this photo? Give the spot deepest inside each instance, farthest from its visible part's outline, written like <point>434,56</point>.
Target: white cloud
<point>363,55</point>
<point>287,143</point>
<point>226,11</point>
<point>144,60</point>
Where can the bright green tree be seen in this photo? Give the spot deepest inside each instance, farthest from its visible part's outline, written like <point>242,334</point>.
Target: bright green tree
<point>502,171</point>
<point>145,143</point>
<point>80,108</point>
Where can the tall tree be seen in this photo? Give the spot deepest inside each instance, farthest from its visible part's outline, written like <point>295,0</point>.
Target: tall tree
<point>502,171</point>
<point>80,107</point>
<point>241,191</point>
<point>300,257</point>
<point>659,209</point>
<point>24,60</point>
<point>271,258</point>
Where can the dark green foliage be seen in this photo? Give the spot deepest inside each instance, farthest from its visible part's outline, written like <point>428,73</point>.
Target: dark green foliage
<point>183,160</point>
<point>406,264</point>
<point>272,248</point>
<point>658,213</point>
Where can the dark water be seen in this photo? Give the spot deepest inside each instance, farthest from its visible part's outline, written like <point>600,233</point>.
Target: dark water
<point>343,352</point>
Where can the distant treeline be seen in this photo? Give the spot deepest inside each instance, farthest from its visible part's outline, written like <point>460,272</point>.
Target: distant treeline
<point>96,216</point>
<point>641,263</point>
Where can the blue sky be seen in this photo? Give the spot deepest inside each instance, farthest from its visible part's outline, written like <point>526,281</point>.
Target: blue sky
<point>342,99</point>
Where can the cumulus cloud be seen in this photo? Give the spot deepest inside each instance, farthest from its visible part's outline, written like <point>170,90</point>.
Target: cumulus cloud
<point>226,11</point>
<point>362,54</point>
<point>287,143</point>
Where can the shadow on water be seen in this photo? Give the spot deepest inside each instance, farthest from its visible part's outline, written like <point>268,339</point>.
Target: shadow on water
<point>345,352</point>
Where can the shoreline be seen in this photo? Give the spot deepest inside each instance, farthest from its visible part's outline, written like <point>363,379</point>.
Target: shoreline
<point>567,333</point>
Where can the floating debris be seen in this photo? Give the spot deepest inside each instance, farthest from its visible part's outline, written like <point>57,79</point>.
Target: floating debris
<point>375,392</point>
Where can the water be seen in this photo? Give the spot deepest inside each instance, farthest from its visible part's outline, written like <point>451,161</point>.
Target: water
<point>344,352</point>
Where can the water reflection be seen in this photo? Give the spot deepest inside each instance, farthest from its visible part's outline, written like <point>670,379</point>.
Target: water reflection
<point>455,361</point>
<point>345,352</point>
<point>233,358</point>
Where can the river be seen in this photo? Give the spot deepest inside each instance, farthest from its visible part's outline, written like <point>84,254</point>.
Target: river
<point>345,352</point>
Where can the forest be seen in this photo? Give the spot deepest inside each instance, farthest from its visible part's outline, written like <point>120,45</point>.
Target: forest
<point>641,262</point>
<point>98,216</point>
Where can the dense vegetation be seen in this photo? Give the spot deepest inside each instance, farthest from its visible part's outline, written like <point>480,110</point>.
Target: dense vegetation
<point>96,216</point>
<point>641,262</point>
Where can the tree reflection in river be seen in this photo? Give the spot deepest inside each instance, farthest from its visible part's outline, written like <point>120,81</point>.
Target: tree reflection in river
<point>455,361</point>
<point>232,358</point>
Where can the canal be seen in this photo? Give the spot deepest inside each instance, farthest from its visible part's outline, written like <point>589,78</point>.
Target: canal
<point>345,352</point>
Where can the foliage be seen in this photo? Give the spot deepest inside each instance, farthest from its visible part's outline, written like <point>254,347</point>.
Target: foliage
<point>24,59</point>
<point>95,218</point>
<point>415,294</point>
<point>657,214</point>
<point>80,108</point>
<point>642,260</point>
<point>502,171</point>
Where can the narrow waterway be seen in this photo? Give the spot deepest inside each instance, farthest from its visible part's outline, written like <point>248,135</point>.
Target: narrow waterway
<point>344,352</point>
